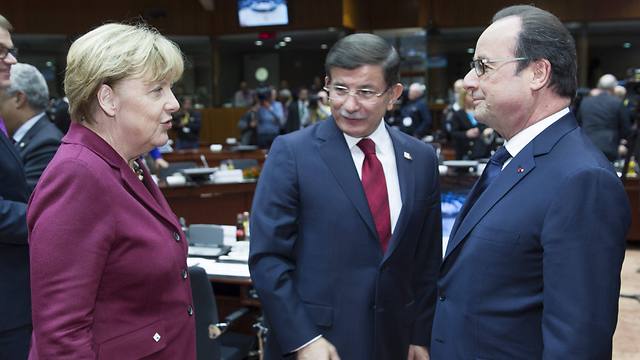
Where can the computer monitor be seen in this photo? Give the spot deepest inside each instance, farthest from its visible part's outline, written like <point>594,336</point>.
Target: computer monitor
<point>262,12</point>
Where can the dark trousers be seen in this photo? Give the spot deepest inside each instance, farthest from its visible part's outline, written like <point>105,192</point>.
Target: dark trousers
<point>14,343</point>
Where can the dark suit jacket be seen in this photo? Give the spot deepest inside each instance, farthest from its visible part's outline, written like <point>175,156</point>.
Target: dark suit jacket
<point>108,260</point>
<point>532,269</point>
<point>37,148</point>
<point>605,121</point>
<point>15,303</point>
<point>466,148</point>
<point>315,257</point>
<point>293,117</point>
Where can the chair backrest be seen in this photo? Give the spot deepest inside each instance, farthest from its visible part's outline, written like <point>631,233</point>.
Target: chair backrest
<point>243,163</point>
<point>206,313</point>
<point>175,167</point>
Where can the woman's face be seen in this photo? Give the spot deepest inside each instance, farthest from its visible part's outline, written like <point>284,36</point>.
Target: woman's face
<point>143,113</point>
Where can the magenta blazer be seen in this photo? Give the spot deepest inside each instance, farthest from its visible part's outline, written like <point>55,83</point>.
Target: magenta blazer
<point>109,277</point>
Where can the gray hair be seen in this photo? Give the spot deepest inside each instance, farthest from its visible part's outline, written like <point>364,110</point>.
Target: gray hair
<point>360,49</point>
<point>5,24</point>
<point>607,82</point>
<point>28,80</point>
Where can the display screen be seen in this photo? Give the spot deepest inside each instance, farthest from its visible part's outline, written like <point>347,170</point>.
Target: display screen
<point>262,12</point>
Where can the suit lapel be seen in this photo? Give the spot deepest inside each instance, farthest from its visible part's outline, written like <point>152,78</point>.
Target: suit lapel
<point>523,164</point>
<point>406,178</point>
<point>28,136</point>
<point>79,134</point>
<point>334,151</point>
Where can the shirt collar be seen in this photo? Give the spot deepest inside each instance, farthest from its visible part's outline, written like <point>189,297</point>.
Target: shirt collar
<point>524,137</point>
<point>26,126</point>
<point>380,136</point>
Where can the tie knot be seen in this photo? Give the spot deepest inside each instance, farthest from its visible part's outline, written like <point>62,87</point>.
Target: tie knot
<point>500,156</point>
<point>367,146</point>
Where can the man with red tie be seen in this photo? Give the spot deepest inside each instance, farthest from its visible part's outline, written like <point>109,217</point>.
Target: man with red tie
<point>346,227</point>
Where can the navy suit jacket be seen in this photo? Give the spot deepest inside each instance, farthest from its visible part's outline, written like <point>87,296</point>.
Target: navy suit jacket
<point>37,148</point>
<point>315,257</point>
<point>15,301</point>
<point>532,269</point>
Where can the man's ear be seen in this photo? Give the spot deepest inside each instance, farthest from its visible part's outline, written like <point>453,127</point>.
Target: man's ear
<point>106,100</point>
<point>20,100</point>
<point>541,74</point>
<point>396,92</point>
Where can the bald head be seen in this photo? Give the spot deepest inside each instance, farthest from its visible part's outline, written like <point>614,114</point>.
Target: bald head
<point>607,82</point>
<point>416,90</point>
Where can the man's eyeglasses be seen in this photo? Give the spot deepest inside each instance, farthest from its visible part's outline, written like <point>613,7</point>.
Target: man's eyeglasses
<point>480,65</point>
<point>340,93</point>
<point>6,51</point>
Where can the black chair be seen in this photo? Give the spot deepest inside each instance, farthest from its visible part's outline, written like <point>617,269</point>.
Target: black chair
<point>242,163</point>
<point>175,167</point>
<point>213,342</point>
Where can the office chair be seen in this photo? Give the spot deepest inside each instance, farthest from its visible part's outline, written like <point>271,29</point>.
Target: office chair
<point>175,167</point>
<point>242,163</point>
<point>213,342</point>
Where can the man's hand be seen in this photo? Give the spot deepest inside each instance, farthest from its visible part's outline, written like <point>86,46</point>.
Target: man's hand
<point>418,353</point>
<point>472,133</point>
<point>320,349</point>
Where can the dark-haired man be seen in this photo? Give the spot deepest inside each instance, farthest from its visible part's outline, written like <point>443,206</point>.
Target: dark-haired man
<point>532,267</point>
<point>346,228</point>
<point>15,301</point>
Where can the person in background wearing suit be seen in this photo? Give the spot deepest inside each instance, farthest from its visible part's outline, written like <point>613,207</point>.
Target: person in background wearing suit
<point>532,267</point>
<point>346,226</point>
<point>298,112</point>
<point>471,139</point>
<point>23,106</point>
<point>604,118</point>
<point>109,277</point>
<point>15,301</point>
<point>187,123</point>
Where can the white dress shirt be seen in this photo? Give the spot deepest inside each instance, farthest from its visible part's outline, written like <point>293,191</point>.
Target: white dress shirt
<point>25,127</point>
<point>524,137</point>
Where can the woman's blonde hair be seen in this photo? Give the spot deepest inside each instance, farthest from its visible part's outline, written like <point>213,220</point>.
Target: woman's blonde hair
<point>111,53</point>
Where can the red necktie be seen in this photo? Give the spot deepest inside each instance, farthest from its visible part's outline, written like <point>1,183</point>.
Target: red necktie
<point>375,188</point>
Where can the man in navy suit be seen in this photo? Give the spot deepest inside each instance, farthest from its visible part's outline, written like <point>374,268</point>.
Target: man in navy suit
<point>346,227</point>
<point>23,106</point>
<point>532,267</point>
<point>15,301</point>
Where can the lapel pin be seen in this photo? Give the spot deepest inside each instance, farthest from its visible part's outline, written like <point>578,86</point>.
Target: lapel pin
<point>520,170</point>
<point>156,337</point>
<point>407,156</point>
<point>22,144</point>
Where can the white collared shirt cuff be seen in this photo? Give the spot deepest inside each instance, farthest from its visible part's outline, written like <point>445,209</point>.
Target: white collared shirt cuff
<point>308,343</point>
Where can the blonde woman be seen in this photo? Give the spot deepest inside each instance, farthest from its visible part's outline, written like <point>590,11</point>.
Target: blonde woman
<point>108,258</point>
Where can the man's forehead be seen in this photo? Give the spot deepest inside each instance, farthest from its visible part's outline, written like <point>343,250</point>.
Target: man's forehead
<point>499,38</point>
<point>5,38</point>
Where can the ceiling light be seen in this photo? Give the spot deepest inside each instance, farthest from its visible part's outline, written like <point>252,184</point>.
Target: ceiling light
<point>287,38</point>
<point>324,46</point>
<point>258,43</point>
<point>626,45</point>
<point>470,50</point>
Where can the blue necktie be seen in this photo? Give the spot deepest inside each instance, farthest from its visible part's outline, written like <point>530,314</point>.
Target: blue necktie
<point>489,174</point>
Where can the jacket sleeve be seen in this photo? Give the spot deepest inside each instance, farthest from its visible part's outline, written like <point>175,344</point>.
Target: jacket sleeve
<point>272,259</point>
<point>13,222</point>
<point>428,258</point>
<point>37,160</point>
<point>583,240</point>
<point>71,227</point>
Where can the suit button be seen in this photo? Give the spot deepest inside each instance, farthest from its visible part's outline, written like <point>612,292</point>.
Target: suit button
<point>176,236</point>
<point>190,310</point>
<point>442,298</point>
<point>184,273</point>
